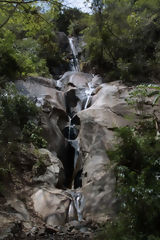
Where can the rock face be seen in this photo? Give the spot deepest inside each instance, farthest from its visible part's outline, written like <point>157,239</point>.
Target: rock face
<point>85,111</point>
<point>32,168</point>
<point>96,136</point>
<point>53,117</point>
<point>74,79</point>
<point>52,206</point>
<point>79,116</point>
<point>54,175</point>
<point>63,42</point>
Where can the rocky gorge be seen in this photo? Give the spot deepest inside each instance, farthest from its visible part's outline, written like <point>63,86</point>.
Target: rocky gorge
<point>75,192</point>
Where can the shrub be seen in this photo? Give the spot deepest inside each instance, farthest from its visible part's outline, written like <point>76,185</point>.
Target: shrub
<point>138,184</point>
<point>32,133</point>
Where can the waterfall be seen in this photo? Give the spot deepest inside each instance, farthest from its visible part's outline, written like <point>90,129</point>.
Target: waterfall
<point>69,128</point>
<point>77,205</point>
<point>74,61</point>
<point>88,94</point>
<point>75,145</point>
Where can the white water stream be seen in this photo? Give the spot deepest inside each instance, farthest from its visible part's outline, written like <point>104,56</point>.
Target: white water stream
<point>88,94</point>
<point>74,61</point>
<point>77,203</point>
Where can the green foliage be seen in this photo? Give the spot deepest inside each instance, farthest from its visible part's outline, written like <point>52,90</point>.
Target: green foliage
<point>138,98</point>
<point>15,108</point>
<point>155,92</point>
<point>67,17</point>
<point>32,133</point>
<point>123,39</point>
<point>28,43</point>
<point>141,95</point>
<point>39,167</point>
<point>137,162</point>
<point>17,113</point>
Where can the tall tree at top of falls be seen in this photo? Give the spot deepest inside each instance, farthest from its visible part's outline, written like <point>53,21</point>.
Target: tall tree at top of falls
<point>128,32</point>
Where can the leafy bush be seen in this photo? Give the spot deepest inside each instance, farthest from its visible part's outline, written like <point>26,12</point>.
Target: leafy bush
<point>137,159</point>
<point>17,116</point>
<point>15,109</point>
<point>32,133</point>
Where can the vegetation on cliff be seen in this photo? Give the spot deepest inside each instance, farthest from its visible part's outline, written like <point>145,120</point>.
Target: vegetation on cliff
<point>136,164</point>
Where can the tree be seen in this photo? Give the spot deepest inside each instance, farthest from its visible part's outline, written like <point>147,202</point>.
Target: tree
<point>10,7</point>
<point>28,41</point>
<point>123,38</point>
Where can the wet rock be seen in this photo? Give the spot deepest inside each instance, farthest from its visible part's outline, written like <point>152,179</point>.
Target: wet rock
<point>96,81</point>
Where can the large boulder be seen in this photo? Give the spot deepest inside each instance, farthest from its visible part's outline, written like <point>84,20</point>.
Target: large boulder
<point>108,110</point>
<point>54,175</point>
<point>74,79</point>
<point>57,207</point>
<point>63,42</point>
<point>36,86</point>
<point>52,205</point>
<point>75,100</point>
<point>53,117</point>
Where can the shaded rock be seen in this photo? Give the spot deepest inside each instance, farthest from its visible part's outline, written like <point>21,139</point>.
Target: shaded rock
<point>48,82</point>
<point>54,175</point>
<point>52,133</point>
<point>75,100</point>
<point>9,231</point>
<point>20,208</point>
<point>63,42</point>
<point>53,118</point>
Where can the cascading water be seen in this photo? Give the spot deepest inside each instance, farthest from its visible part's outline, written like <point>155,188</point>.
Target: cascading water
<point>88,93</point>
<point>71,132</point>
<point>69,128</point>
<point>74,61</point>
<point>39,101</point>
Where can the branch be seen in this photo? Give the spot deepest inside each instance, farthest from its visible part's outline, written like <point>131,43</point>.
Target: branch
<point>36,13</point>
<point>110,30</point>
<point>21,2</point>
<point>28,1</point>
<point>10,15</point>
